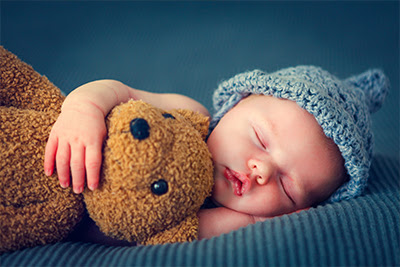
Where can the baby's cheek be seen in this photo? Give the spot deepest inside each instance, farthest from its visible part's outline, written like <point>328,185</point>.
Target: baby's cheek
<point>213,147</point>
<point>220,191</point>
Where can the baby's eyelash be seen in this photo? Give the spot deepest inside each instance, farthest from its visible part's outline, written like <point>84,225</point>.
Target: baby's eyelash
<point>284,189</point>
<point>260,139</point>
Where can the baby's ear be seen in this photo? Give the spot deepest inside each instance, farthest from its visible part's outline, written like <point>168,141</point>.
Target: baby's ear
<point>199,121</point>
<point>375,85</point>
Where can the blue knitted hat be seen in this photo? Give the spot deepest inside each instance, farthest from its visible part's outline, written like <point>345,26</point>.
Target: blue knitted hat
<point>341,107</point>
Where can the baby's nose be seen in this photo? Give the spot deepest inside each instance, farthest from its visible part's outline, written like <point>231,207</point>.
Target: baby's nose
<point>261,171</point>
<point>140,129</point>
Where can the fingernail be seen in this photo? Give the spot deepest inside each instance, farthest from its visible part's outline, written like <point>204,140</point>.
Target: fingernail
<point>92,187</point>
<point>78,190</point>
<point>64,185</point>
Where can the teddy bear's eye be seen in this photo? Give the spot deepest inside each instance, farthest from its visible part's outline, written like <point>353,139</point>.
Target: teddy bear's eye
<point>159,187</point>
<point>167,115</point>
<point>140,129</point>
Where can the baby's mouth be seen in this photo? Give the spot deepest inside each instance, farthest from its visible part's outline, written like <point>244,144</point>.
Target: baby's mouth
<point>240,182</point>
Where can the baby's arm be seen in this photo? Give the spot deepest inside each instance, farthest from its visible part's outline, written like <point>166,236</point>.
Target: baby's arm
<point>217,221</point>
<point>76,139</point>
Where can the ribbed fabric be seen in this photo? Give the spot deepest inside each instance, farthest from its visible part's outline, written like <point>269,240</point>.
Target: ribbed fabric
<point>358,232</point>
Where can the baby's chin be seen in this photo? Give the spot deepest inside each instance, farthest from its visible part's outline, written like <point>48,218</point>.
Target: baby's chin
<point>215,201</point>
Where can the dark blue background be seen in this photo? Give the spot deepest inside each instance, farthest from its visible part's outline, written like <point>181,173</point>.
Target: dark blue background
<point>189,47</point>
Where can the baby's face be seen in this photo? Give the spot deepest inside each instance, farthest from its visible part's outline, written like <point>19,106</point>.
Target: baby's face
<point>271,157</point>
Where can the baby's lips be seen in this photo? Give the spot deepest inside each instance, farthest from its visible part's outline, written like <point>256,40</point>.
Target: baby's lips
<point>240,182</point>
<point>245,185</point>
<point>244,180</point>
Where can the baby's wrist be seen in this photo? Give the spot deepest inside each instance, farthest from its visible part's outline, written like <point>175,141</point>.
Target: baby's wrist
<point>83,106</point>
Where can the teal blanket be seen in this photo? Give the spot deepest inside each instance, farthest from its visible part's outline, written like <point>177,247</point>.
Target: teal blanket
<point>360,232</point>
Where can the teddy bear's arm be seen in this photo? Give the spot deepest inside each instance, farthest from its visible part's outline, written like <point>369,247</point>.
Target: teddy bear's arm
<point>22,87</point>
<point>187,230</point>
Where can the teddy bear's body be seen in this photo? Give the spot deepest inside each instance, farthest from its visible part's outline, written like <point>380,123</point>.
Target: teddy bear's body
<point>34,209</point>
<point>156,169</point>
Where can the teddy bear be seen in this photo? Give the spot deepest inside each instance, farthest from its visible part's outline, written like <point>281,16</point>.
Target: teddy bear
<point>156,169</point>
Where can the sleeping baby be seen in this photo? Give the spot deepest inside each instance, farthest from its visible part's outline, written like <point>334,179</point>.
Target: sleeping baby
<point>280,142</point>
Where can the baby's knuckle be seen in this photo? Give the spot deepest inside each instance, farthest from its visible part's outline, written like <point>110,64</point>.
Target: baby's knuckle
<point>93,165</point>
<point>75,140</point>
<point>76,165</point>
<point>62,163</point>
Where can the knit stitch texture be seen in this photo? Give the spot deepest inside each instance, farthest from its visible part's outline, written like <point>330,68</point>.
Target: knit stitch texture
<point>341,107</point>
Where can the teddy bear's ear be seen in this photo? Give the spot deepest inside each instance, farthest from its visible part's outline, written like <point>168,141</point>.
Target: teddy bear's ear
<point>199,121</point>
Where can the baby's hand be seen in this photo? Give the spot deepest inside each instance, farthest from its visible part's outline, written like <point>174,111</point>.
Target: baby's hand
<point>75,145</point>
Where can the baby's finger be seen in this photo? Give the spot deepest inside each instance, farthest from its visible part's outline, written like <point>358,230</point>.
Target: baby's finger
<point>78,168</point>
<point>62,164</point>
<point>93,164</point>
<point>49,156</point>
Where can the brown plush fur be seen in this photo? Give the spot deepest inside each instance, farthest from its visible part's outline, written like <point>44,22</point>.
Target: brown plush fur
<point>173,152</point>
<point>35,210</point>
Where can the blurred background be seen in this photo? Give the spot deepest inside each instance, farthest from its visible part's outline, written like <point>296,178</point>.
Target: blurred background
<point>189,47</point>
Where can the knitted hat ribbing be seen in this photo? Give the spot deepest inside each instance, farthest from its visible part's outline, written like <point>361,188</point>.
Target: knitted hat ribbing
<point>342,108</point>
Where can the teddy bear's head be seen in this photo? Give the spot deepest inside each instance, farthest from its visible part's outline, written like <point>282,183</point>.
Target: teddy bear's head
<point>156,173</point>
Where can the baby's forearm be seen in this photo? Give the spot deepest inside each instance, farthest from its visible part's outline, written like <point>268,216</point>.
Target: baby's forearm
<point>214,222</point>
<point>106,94</point>
<point>102,94</point>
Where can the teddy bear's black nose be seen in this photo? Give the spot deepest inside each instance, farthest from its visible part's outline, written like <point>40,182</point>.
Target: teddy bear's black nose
<point>140,129</point>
